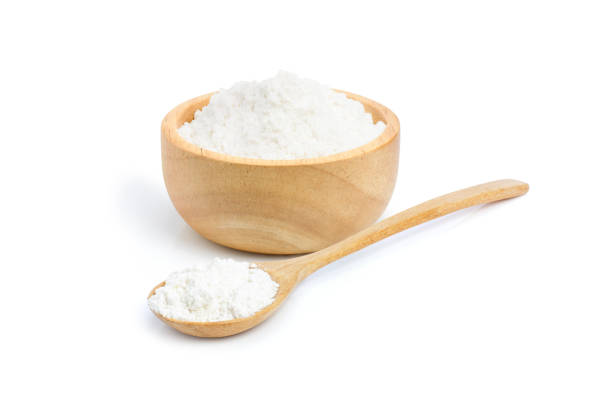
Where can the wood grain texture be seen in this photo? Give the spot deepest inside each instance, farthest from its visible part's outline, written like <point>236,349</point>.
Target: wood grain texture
<point>429,210</point>
<point>289,273</point>
<point>279,206</point>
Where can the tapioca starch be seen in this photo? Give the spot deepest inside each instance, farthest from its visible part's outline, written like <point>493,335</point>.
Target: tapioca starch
<point>284,117</point>
<point>223,289</point>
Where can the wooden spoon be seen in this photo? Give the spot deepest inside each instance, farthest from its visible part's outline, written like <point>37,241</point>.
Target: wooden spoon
<point>288,273</point>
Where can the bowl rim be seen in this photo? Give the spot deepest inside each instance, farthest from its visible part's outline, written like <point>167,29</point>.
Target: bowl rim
<point>170,133</point>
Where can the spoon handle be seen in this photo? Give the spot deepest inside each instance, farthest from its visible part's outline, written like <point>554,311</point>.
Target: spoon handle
<point>429,210</point>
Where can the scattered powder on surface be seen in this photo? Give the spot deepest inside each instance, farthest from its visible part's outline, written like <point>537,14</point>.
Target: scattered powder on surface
<point>222,290</point>
<point>284,117</point>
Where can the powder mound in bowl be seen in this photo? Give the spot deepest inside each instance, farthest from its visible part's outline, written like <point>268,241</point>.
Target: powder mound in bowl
<point>281,118</point>
<point>222,290</point>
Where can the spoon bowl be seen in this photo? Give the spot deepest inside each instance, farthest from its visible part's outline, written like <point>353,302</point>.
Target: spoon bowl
<point>289,273</point>
<point>286,274</point>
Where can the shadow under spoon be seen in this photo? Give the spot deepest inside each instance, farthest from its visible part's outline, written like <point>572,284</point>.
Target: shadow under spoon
<point>289,273</point>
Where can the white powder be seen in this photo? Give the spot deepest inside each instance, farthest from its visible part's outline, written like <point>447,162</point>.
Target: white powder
<point>222,290</point>
<point>284,117</point>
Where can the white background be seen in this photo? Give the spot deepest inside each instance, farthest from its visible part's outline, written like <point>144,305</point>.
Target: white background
<point>504,305</point>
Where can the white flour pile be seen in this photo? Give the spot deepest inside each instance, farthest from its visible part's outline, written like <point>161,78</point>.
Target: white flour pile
<point>222,290</point>
<point>284,117</point>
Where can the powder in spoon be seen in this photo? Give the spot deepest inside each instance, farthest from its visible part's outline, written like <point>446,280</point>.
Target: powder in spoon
<point>284,117</point>
<point>221,290</point>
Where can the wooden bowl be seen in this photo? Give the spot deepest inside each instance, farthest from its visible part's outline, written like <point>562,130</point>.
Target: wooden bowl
<point>279,206</point>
